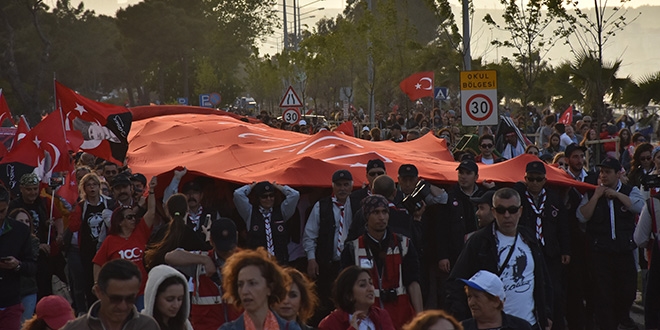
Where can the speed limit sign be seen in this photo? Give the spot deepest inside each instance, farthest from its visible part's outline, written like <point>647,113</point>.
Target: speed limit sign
<point>479,98</point>
<point>291,115</point>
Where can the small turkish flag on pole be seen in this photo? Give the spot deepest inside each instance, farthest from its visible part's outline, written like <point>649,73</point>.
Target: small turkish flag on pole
<point>418,85</point>
<point>4,109</point>
<point>566,117</point>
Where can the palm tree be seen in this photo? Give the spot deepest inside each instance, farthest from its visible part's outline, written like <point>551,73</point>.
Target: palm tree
<point>642,93</point>
<point>595,81</point>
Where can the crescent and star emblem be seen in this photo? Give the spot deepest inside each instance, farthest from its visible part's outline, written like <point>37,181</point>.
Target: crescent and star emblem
<point>419,84</point>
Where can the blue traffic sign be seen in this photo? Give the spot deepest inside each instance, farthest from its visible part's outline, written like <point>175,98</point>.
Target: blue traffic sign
<point>215,99</point>
<point>205,100</point>
<point>441,93</point>
<point>182,100</point>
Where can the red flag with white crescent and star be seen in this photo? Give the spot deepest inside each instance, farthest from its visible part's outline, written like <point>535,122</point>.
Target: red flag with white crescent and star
<point>43,151</point>
<point>104,127</point>
<point>4,109</point>
<point>418,85</point>
<point>21,131</point>
<point>567,117</point>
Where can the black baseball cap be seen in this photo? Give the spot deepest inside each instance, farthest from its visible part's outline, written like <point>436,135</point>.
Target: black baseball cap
<point>341,175</point>
<point>191,185</point>
<point>120,180</point>
<point>535,167</point>
<point>375,163</point>
<point>486,198</point>
<point>408,170</point>
<point>469,165</point>
<point>571,148</point>
<point>612,163</point>
<point>396,126</point>
<point>139,177</point>
<point>224,234</point>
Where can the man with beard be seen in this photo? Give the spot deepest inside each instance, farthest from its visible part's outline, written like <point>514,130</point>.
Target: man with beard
<point>48,228</point>
<point>89,223</point>
<point>200,216</point>
<point>122,190</point>
<point>391,259</point>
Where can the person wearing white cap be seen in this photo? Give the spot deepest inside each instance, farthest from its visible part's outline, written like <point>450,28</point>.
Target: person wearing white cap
<point>485,296</point>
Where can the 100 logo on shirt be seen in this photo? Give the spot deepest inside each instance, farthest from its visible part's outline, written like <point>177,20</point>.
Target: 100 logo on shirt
<point>133,253</point>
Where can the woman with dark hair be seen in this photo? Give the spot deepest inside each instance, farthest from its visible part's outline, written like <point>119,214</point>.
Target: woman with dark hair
<point>433,320</point>
<point>445,133</point>
<point>127,239</point>
<point>28,283</point>
<point>592,159</point>
<point>177,234</point>
<point>166,298</point>
<point>628,151</point>
<point>554,145</point>
<point>624,140</point>
<point>642,164</point>
<point>254,281</point>
<point>532,150</point>
<point>300,301</point>
<point>354,296</point>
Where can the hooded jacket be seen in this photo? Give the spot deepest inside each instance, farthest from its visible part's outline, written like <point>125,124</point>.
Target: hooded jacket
<point>157,275</point>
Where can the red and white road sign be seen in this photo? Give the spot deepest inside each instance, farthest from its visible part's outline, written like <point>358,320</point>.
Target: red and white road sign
<point>291,115</point>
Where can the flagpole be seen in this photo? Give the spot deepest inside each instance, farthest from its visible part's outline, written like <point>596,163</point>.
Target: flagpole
<point>52,206</point>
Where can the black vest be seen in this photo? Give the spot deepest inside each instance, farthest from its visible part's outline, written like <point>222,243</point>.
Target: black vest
<point>325,241</point>
<point>598,227</point>
<point>257,233</point>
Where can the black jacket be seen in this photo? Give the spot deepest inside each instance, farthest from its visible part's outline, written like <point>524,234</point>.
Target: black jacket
<point>556,229</point>
<point>15,241</point>
<point>480,253</point>
<point>457,221</point>
<point>509,322</point>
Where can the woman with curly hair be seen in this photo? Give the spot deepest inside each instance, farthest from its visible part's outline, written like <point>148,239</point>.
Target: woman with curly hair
<point>252,280</point>
<point>642,164</point>
<point>300,301</point>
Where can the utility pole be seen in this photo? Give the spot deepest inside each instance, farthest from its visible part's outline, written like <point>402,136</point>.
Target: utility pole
<point>286,32</point>
<point>467,59</point>
<point>370,76</point>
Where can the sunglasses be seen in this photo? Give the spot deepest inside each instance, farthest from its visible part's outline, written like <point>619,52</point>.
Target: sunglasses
<point>129,216</point>
<point>117,299</point>
<point>645,158</point>
<point>486,146</point>
<point>562,164</point>
<point>266,196</point>
<point>533,179</point>
<point>503,210</point>
<point>376,173</point>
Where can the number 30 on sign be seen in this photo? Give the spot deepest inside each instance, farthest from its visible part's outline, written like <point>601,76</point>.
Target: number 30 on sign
<point>479,98</point>
<point>291,115</point>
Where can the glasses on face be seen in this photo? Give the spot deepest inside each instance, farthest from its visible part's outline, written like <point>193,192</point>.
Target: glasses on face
<point>487,146</point>
<point>561,164</point>
<point>379,173</point>
<point>642,140</point>
<point>444,136</point>
<point>647,158</point>
<point>117,299</point>
<point>267,196</point>
<point>504,210</point>
<point>535,179</point>
<point>129,216</point>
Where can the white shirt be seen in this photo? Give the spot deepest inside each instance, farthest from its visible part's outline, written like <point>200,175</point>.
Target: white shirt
<point>518,277</point>
<point>314,223</point>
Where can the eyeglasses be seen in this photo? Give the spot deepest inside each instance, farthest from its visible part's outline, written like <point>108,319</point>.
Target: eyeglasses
<point>445,136</point>
<point>535,179</point>
<point>129,216</point>
<point>645,158</point>
<point>379,173</point>
<point>117,299</point>
<point>641,140</point>
<point>562,164</point>
<point>486,146</point>
<point>267,196</point>
<point>503,210</point>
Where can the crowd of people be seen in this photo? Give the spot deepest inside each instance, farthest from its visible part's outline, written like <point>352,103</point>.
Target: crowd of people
<point>398,253</point>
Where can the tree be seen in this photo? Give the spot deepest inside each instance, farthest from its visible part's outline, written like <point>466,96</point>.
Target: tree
<point>531,37</point>
<point>594,81</point>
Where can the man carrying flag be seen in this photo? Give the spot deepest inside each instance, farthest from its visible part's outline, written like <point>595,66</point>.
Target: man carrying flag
<point>104,127</point>
<point>418,85</point>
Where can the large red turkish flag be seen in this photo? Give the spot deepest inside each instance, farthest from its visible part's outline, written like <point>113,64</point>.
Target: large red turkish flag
<point>418,85</point>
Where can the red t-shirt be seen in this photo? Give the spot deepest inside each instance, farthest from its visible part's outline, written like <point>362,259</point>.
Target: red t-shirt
<point>132,249</point>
